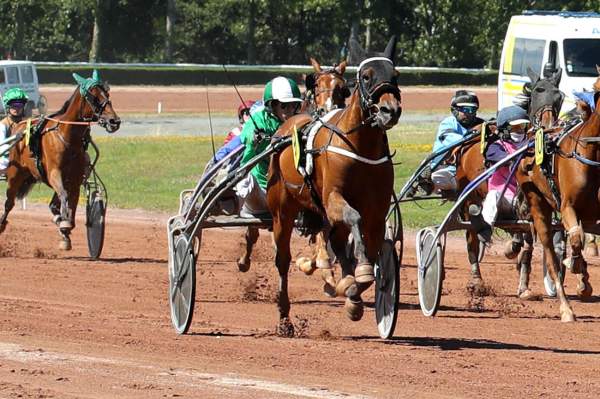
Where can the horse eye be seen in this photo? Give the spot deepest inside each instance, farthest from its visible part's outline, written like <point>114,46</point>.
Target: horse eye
<point>366,77</point>
<point>540,89</point>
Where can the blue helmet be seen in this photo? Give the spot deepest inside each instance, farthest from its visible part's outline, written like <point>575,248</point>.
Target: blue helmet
<point>512,115</point>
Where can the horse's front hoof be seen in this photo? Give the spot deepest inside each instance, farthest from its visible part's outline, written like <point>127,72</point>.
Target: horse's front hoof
<point>575,265</point>
<point>591,250</point>
<point>346,287</point>
<point>285,328</point>
<point>528,295</point>
<point>354,309</point>
<point>306,265</point>
<point>65,245</point>
<point>584,290</point>
<point>364,273</point>
<point>243,265</point>
<point>512,249</point>
<point>330,284</point>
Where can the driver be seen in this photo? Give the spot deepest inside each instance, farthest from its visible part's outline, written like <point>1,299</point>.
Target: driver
<point>281,101</point>
<point>14,101</point>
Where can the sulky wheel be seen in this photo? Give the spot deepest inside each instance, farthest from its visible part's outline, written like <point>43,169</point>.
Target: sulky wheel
<point>182,279</point>
<point>95,213</point>
<point>387,289</point>
<point>430,270</point>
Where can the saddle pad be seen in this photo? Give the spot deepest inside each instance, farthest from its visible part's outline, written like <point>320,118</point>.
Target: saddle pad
<point>311,138</point>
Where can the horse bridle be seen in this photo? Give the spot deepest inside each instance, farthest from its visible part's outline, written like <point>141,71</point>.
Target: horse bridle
<point>366,96</point>
<point>315,92</point>
<point>96,106</point>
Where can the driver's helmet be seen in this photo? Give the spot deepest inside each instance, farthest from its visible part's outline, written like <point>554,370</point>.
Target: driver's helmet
<point>511,116</point>
<point>464,99</point>
<point>245,108</point>
<point>14,96</point>
<point>282,89</point>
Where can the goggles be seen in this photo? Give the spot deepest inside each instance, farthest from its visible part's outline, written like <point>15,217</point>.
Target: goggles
<point>289,106</point>
<point>16,104</point>
<point>467,109</point>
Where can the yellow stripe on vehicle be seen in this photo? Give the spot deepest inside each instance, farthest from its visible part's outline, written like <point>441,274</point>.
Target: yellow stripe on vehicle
<point>508,56</point>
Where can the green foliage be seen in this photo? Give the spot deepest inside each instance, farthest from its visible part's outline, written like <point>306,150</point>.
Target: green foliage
<point>445,33</point>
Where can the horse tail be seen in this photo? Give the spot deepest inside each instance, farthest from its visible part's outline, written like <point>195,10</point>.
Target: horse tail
<point>26,187</point>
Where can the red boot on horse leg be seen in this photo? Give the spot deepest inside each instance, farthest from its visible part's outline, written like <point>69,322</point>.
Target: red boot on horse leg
<point>351,184</point>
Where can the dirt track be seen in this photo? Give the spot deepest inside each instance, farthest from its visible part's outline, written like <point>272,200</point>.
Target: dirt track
<point>74,328</point>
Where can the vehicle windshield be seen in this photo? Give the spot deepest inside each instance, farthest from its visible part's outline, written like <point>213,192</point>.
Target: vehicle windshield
<point>581,56</point>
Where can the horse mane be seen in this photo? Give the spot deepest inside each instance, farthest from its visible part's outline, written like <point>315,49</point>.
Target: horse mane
<point>65,106</point>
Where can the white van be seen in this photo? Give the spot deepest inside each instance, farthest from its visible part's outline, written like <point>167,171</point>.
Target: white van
<point>22,74</point>
<point>546,41</point>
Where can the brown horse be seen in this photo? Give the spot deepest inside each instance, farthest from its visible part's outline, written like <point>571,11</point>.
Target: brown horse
<point>351,185</point>
<point>543,102</point>
<point>325,90</point>
<point>568,182</point>
<point>62,161</point>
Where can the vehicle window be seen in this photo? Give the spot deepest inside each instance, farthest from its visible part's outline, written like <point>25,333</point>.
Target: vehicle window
<point>1,75</point>
<point>526,53</point>
<point>26,74</point>
<point>581,56</point>
<point>12,75</point>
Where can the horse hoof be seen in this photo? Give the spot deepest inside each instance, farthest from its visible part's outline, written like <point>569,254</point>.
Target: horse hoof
<point>65,245</point>
<point>511,249</point>
<point>329,286</point>
<point>306,265</point>
<point>56,219</point>
<point>591,250</point>
<point>346,287</point>
<point>528,295</point>
<point>329,290</point>
<point>476,286</point>
<point>65,224</point>
<point>285,328</point>
<point>567,318</point>
<point>364,273</point>
<point>243,266</point>
<point>354,309</point>
<point>575,265</point>
<point>584,291</point>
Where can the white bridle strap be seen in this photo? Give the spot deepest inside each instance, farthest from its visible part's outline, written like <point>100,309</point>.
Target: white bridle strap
<point>357,157</point>
<point>371,60</point>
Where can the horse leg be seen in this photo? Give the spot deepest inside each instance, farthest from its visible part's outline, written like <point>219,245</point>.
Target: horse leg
<point>65,223</point>
<point>576,263</point>
<point>475,285</point>
<point>282,232</point>
<point>591,248</point>
<point>54,206</point>
<point>339,211</point>
<point>524,268</point>
<point>15,181</point>
<point>250,237</point>
<point>542,221</point>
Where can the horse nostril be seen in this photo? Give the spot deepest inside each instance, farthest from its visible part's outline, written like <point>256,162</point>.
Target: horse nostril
<point>385,110</point>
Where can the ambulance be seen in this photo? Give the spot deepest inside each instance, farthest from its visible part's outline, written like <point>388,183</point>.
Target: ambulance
<point>22,74</point>
<point>546,41</point>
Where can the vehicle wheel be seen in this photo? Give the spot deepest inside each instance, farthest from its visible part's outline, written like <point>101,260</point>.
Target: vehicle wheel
<point>430,271</point>
<point>182,283</point>
<point>95,224</point>
<point>387,289</point>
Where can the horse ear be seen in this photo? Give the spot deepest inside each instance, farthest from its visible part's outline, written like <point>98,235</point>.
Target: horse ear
<point>340,69</point>
<point>96,75</point>
<point>532,75</point>
<point>79,79</point>
<point>310,82</point>
<point>390,49</point>
<point>315,64</point>
<point>557,76</point>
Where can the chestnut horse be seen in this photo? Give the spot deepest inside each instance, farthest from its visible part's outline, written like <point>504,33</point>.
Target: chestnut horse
<point>62,156</point>
<point>325,90</point>
<point>350,188</point>
<point>567,182</point>
<point>543,99</point>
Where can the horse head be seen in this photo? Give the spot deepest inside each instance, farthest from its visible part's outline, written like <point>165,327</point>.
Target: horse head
<point>327,88</point>
<point>97,106</point>
<point>377,84</point>
<point>546,99</point>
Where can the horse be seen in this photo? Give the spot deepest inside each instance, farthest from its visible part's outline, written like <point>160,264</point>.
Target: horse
<point>351,185</point>
<point>62,159</point>
<point>566,182</point>
<point>542,99</point>
<point>325,90</point>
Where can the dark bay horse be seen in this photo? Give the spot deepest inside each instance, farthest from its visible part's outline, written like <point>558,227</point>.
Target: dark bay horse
<point>542,101</point>
<point>62,152</point>
<point>567,181</point>
<point>325,90</point>
<point>351,186</point>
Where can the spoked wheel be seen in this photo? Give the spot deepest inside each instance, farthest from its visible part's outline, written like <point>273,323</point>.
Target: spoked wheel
<point>182,280</point>
<point>95,223</point>
<point>430,262</point>
<point>387,289</point>
<point>560,246</point>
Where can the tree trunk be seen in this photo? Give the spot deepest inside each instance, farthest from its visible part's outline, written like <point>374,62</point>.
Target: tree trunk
<point>97,35</point>
<point>251,48</point>
<point>18,42</point>
<point>171,11</point>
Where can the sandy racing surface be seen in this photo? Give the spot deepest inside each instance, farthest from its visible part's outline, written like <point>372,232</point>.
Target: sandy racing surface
<point>74,328</point>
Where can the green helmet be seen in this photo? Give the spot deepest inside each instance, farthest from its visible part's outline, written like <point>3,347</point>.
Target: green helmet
<point>14,94</point>
<point>282,89</point>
